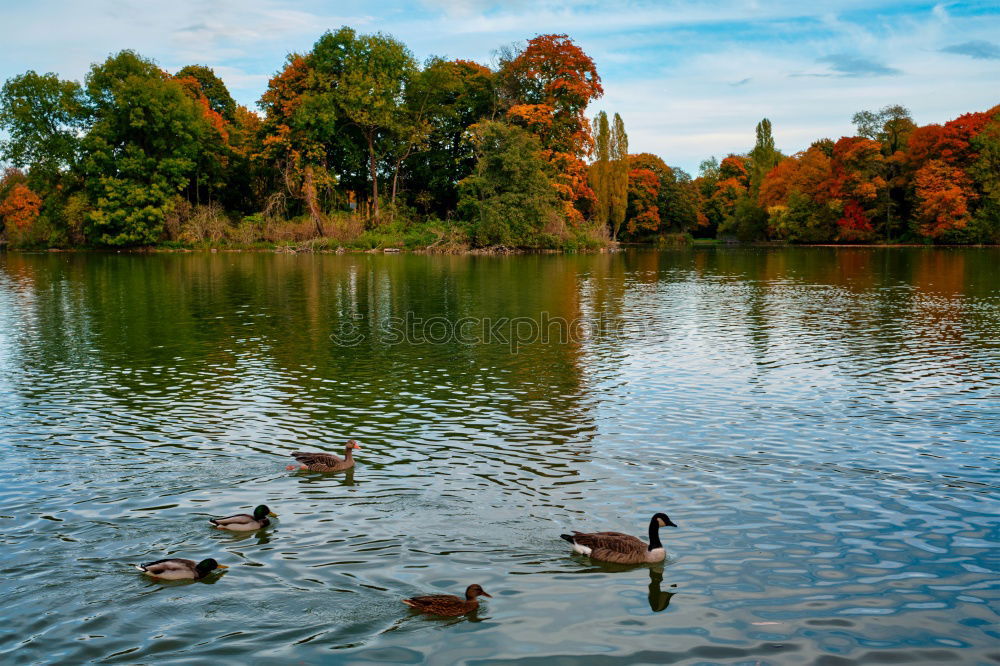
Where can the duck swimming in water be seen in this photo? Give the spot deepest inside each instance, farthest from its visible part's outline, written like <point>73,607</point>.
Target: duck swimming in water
<point>180,569</point>
<point>244,522</point>
<point>448,604</point>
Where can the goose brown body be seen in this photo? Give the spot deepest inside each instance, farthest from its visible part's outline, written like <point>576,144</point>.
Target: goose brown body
<point>315,461</point>
<point>448,604</point>
<point>620,548</point>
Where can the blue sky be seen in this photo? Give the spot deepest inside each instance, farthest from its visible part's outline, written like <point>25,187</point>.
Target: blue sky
<point>690,79</point>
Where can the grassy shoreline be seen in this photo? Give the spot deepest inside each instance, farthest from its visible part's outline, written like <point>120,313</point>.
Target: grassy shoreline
<point>324,247</point>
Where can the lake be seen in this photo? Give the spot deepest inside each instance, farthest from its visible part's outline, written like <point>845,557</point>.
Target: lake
<point>822,425</point>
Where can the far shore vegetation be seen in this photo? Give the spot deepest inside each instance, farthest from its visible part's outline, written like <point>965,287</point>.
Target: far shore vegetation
<point>357,146</point>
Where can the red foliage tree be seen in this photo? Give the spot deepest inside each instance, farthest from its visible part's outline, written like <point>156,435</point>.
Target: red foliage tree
<point>854,225</point>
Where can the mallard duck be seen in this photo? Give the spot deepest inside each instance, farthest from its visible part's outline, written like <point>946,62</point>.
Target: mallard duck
<point>179,569</point>
<point>244,522</point>
<point>622,548</point>
<point>448,604</point>
<point>326,462</point>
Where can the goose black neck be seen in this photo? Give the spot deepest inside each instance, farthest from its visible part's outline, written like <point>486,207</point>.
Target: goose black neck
<point>654,534</point>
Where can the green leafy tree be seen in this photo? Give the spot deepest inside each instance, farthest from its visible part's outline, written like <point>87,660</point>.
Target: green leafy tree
<point>365,79</point>
<point>508,199</point>
<point>42,116</point>
<point>618,176</point>
<point>141,150</point>
<point>600,170</point>
<point>453,96</point>
<point>764,156</point>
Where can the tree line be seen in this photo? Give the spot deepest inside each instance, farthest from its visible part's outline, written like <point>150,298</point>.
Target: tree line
<point>356,143</point>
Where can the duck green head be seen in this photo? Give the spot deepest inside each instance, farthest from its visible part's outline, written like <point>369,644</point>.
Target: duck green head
<point>262,512</point>
<point>206,566</point>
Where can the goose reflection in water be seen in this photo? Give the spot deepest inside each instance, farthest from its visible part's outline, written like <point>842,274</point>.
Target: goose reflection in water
<point>658,599</point>
<point>345,478</point>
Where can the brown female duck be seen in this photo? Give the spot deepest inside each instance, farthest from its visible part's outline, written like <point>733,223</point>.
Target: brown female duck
<point>622,548</point>
<point>325,462</point>
<point>448,604</point>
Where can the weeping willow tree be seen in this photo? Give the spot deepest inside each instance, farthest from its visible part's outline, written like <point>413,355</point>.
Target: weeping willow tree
<point>618,175</point>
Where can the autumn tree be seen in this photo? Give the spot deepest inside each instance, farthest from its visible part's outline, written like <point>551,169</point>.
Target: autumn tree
<point>676,197</point>
<point>731,186</point>
<point>944,193</point>
<point>215,155</point>
<point>857,182</point>
<point>550,83</point>
<point>798,199</point>
<point>19,205</point>
<point>643,195</point>
<point>212,88</point>
<point>295,136</point>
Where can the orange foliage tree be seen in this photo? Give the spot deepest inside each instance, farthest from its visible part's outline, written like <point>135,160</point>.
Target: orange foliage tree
<point>943,192</point>
<point>643,192</point>
<point>550,83</point>
<point>20,208</point>
<point>856,180</point>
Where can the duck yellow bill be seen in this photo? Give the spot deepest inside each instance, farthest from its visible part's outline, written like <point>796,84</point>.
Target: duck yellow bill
<point>223,566</point>
<point>272,514</point>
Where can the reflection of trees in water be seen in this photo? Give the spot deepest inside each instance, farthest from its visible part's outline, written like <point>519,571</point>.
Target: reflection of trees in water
<point>160,337</point>
<point>251,332</point>
<point>852,303</point>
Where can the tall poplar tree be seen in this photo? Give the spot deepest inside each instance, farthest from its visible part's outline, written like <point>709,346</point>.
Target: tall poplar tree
<point>764,156</point>
<point>600,170</point>
<point>618,190</point>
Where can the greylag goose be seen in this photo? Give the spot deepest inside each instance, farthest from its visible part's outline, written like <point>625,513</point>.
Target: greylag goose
<point>325,462</point>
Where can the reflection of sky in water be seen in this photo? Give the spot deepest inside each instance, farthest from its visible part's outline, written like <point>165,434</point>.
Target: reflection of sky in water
<point>820,424</point>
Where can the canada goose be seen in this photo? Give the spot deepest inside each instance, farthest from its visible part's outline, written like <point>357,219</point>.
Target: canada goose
<point>179,569</point>
<point>622,548</point>
<point>325,462</point>
<point>448,604</point>
<point>244,522</point>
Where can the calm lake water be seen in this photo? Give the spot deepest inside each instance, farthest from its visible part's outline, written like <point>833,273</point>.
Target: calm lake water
<point>822,424</point>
